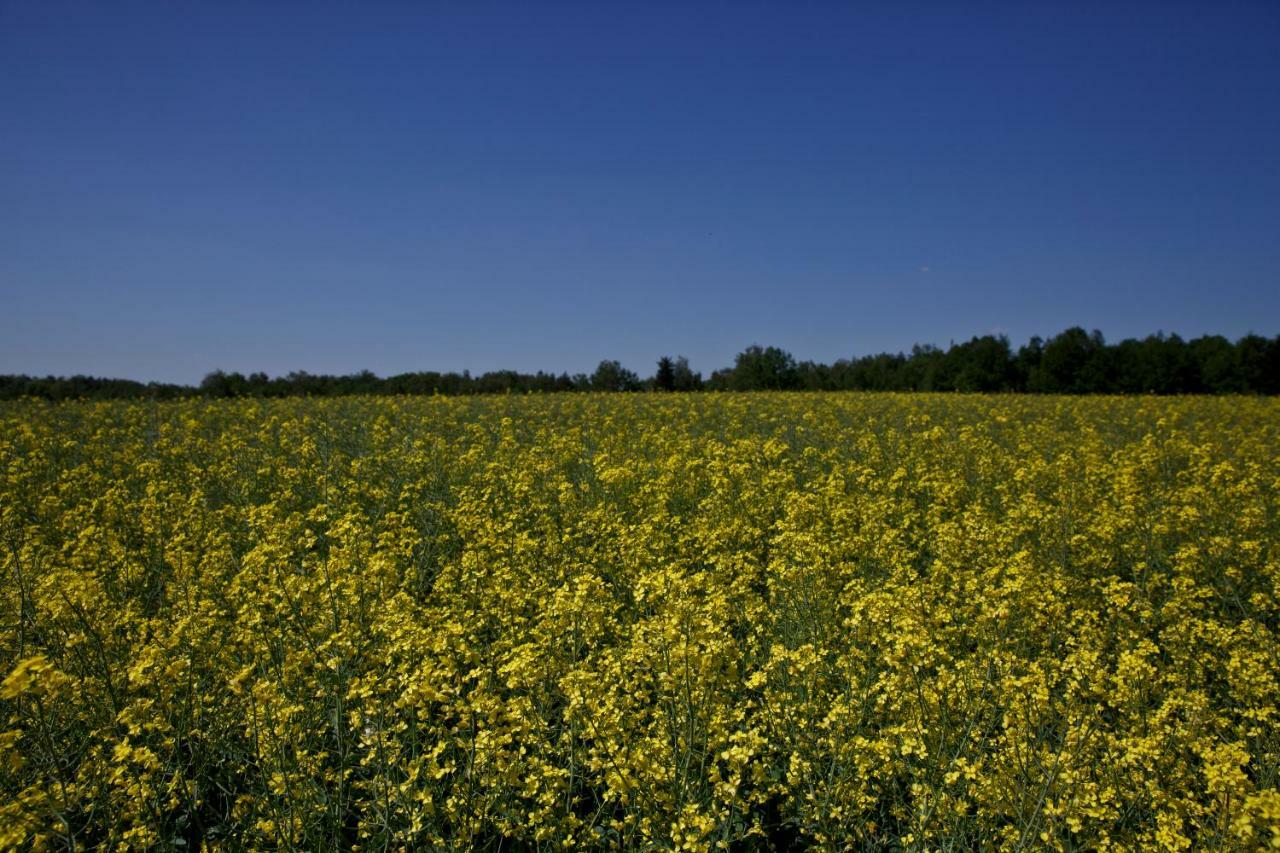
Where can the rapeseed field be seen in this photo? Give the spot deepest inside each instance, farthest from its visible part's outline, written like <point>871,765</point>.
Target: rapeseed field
<point>642,621</point>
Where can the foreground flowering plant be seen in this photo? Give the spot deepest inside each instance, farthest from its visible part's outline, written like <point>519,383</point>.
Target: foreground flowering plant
<point>869,621</point>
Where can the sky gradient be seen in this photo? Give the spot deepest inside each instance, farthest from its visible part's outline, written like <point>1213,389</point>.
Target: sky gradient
<point>334,187</point>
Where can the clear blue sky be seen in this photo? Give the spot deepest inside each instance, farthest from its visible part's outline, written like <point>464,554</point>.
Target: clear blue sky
<point>331,187</point>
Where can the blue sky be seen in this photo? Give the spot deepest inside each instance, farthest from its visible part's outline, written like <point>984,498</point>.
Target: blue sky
<point>334,187</point>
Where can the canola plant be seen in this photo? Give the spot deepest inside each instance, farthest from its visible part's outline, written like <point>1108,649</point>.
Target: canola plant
<point>834,621</point>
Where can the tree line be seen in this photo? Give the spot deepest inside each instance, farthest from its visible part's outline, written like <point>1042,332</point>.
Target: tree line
<point>1073,362</point>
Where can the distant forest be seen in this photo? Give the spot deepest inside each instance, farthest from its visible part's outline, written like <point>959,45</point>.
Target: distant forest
<point>1073,362</point>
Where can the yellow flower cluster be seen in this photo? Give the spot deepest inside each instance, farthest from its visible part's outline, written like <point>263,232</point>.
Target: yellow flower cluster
<point>641,621</point>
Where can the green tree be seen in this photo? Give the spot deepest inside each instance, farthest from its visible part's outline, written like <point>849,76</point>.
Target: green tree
<point>665,378</point>
<point>982,364</point>
<point>612,376</point>
<point>764,368</point>
<point>1068,363</point>
<point>684,378</point>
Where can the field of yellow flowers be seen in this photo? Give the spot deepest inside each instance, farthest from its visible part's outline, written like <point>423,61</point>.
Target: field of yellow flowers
<point>641,621</point>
